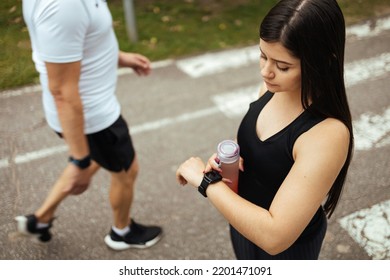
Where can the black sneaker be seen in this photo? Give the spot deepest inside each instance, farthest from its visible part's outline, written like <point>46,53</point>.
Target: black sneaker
<point>139,237</point>
<point>28,225</point>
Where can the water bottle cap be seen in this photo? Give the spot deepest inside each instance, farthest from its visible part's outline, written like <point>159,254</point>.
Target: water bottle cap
<point>228,151</point>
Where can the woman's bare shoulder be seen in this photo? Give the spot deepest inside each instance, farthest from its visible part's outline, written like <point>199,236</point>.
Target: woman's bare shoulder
<point>332,128</point>
<point>329,135</point>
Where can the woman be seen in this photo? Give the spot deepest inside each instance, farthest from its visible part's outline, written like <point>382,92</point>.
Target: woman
<point>296,140</point>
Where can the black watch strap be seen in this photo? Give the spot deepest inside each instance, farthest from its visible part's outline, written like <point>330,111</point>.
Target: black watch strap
<point>81,163</point>
<point>204,185</point>
<point>209,178</point>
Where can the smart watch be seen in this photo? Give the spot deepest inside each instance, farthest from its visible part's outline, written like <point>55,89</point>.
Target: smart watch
<point>81,163</point>
<point>209,178</point>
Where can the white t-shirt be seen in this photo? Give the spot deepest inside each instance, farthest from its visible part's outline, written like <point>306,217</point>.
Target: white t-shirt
<point>64,31</point>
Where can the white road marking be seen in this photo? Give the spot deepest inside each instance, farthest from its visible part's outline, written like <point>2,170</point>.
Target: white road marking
<point>235,103</point>
<point>368,29</point>
<point>22,91</point>
<point>39,154</point>
<point>370,228</point>
<point>149,126</point>
<point>366,69</point>
<point>372,130</point>
<point>169,121</point>
<point>27,157</point>
<point>4,163</point>
<point>213,63</point>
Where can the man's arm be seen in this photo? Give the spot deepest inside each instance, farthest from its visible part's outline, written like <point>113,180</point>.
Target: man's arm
<point>63,85</point>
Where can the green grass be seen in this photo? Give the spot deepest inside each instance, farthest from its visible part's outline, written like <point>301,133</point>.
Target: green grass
<point>166,29</point>
<point>176,28</point>
<point>16,67</point>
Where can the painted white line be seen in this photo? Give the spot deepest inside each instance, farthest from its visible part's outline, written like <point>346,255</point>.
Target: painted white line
<point>235,103</point>
<point>212,63</point>
<point>149,126</point>
<point>367,69</point>
<point>27,157</point>
<point>4,163</point>
<point>18,92</point>
<point>40,154</point>
<point>368,29</point>
<point>370,228</point>
<point>372,130</point>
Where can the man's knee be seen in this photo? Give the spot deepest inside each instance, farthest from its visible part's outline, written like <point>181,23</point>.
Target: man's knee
<point>134,169</point>
<point>128,177</point>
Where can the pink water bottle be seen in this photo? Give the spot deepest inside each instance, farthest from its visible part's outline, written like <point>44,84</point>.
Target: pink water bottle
<point>228,153</point>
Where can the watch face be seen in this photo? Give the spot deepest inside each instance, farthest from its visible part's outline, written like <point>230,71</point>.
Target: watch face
<point>214,176</point>
<point>209,178</point>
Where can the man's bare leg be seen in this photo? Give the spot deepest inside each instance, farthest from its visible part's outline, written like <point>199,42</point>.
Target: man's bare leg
<point>45,213</point>
<point>121,194</point>
<point>126,233</point>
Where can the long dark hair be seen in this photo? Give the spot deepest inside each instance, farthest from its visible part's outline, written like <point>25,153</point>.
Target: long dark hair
<point>314,32</point>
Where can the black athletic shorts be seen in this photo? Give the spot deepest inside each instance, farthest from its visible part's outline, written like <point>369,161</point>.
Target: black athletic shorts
<point>112,147</point>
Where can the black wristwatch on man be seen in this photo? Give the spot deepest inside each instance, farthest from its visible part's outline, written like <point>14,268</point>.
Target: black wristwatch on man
<point>210,177</point>
<point>81,163</point>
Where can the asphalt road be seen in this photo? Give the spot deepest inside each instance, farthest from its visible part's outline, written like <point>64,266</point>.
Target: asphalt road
<point>184,108</point>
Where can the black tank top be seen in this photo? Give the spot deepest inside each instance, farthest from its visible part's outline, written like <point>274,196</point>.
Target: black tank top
<point>267,163</point>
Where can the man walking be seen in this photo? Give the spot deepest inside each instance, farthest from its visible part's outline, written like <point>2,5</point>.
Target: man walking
<point>76,54</point>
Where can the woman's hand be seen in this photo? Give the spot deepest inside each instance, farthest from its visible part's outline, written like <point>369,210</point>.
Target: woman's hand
<point>191,171</point>
<point>213,164</point>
